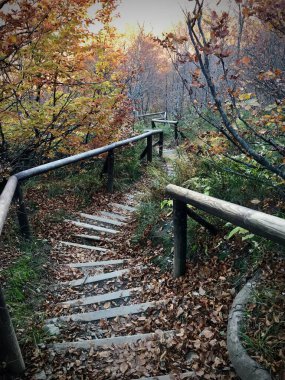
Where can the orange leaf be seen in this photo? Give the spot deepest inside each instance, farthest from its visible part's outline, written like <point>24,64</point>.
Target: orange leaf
<point>245,60</point>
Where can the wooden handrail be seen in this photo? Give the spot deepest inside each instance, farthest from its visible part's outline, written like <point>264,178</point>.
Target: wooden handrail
<point>152,114</point>
<point>9,190</point>
<point>6,199</point>
<point>259,223</point>
<point>12,355</point>
<point>165,121</point>
<point>81,156</point>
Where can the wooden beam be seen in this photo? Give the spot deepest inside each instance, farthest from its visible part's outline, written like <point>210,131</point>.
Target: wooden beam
<point>180,237</point>
<point>165,121</point>
<point>152,114</point>
<point>110,169</point>
<point>6,198</point>
<point>22,214</point>
<point>149,149</point>
<point>256,222</point>
<point>210,227</point>
<point>160,150</point>
<point>10,353</point>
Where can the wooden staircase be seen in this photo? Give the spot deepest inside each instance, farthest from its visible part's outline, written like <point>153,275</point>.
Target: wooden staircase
<point>101,291</point>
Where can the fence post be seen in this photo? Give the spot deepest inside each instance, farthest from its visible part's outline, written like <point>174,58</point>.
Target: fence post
<point>149,149</point>
<point>22,214</point>
<point>10,353</point>
<point>110,171</point>
<point>153,124</point>
<point>160,149</point>
<point>180,237</point>
<point>176,133</point>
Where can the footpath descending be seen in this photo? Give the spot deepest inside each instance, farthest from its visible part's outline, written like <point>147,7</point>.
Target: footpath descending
<point>102,286</point>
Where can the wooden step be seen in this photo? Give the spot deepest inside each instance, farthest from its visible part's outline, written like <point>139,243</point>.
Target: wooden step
<point>96,278</point>
<point>172,376</point>
<point>124,207</point>
<point>106,313</point>
<point>114,215</point>
<point>83,246</point>
<point>102,297</point>
<point>93,237</point>
<point>91,226</point>
<point>101,219</point>
<point>114,341</point>
<point>93,264</point>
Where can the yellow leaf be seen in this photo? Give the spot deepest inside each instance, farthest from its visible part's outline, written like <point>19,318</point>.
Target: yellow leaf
<point>245,96</point>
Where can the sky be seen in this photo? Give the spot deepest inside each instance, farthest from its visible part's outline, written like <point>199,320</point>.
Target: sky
<point>157,16</point>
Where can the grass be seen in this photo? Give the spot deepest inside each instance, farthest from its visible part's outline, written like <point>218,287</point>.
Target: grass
<point>23,289</point>
<point>263,332</point>
<point>128,167</point>
<point>82,179</point>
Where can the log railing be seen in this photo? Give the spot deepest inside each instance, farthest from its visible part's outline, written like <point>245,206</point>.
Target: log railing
<point>259,223</point>
<point>163,120</point>
<point>173,123</point>
<point>10,353</point>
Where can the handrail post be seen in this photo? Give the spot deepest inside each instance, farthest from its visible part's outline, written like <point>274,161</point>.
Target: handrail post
<point>153,126</point>
<point>176,133</point>
<point>22,214</point>
<point>160,149</point>
<point>110,171</point>
<point>149,148</point>
<point>180,237</point>
<point>10,352</point>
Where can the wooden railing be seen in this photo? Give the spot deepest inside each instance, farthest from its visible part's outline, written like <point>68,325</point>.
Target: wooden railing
<point>13,185</point>
<point>10,353</point>
<point>259,223</point>
<point>162,113</point>
<point>163,120</point>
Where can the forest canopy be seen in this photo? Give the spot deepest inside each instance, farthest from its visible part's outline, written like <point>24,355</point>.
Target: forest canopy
<point>66,89</point>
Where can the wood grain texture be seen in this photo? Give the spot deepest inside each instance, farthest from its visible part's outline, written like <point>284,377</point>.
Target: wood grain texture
<point>256,222</point>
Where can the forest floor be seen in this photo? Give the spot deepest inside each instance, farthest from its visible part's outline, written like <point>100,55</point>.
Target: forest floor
<point>195,306</point>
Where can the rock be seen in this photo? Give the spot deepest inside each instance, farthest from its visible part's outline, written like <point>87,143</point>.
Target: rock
<point>191,356</point>
<point>52,329</point>
<point>40,376</point>
<point>245,367</point>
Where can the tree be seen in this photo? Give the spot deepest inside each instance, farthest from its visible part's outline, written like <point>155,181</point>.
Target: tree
<point>61,85</point>
<point>215,41</point>
<point>147,69</point>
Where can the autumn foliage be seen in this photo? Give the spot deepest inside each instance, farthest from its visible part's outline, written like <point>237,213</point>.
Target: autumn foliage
<point>61,84</point>
<point>237,72</point>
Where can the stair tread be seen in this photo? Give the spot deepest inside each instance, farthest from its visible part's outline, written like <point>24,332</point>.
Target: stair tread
<point>114,215</point>
<point>96,278</point>
<point>93,237</point>
<point>84,246</point>
<point>106,313</point>
<point>91,226</point>
<point>97,263</point>
<point>118,341</point>
<point>101,219</point>
<point>173,376</point>
<point>102,297</point>
<point>123,207</point>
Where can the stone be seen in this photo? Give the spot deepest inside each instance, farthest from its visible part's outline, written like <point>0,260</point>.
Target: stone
<point>52,329</point>
<point>40,376</point>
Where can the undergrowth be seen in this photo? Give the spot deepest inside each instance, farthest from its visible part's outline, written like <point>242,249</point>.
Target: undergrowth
<point>263,332</point>
<point>23,289</point>
<point>231,181</point>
